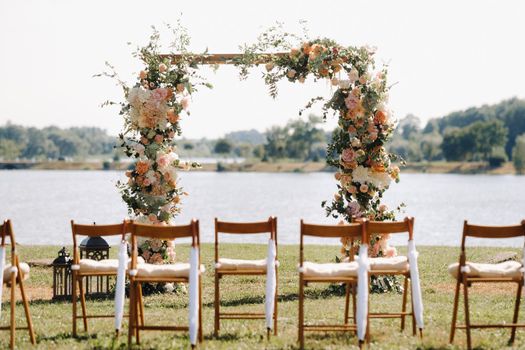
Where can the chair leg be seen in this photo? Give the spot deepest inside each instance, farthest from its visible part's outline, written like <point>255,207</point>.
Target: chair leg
<point>301,313</point>
<point>516,313</point>
<point>201,337</point>
<point>12,305</point>
<point>217,324</point>
<point>131,322</point>
<point>454,313</point>
<point>414,331</point>
<point>347,302</point>
<point>140,304</point>
<point>74,302</point>
<point>275,308</point>
<point>26,308</point>
<point>83,303</point>
<point>467,317</point>
<point>404,304</point>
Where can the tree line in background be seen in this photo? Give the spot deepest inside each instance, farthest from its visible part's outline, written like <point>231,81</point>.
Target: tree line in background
<point>52,143</point>
<point>491,133</point>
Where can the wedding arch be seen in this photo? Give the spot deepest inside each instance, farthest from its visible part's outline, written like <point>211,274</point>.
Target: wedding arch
<point>161,94</point>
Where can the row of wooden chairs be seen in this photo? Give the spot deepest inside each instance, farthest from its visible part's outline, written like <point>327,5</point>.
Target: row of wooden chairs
<point>466,273</point>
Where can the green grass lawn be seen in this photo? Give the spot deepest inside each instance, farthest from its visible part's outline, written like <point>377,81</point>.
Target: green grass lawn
<point>52,320</point>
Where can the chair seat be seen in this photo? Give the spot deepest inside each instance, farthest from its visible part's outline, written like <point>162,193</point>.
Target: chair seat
<point>176,270</point>
<point>397,263</point>
<point>240,265</point>
<point>7,273</point>
<point>343,269</point>
<point>510,269</point>
<point>104,265</point>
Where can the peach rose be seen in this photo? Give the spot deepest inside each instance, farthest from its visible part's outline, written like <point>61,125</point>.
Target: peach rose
<point>381,117</point>
<point>269,66</point>
<point>291,73</point>
<point>144,140</point>
<point>143,74</point>
<point>352,189</point>
<point>294,52</point>
<point>141,167</point>
<point>159,138</point>
<point>152,217</point>
<point>363,188</point>
<point>162,68</point>
<point>180,87</point>
<point>172,116</point>
<point>301,80</point>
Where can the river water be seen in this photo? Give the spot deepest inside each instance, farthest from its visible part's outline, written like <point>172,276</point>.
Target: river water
<point>42,203</point>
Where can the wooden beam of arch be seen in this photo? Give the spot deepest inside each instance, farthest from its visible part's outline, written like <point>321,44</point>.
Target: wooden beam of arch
<point>225,58</point>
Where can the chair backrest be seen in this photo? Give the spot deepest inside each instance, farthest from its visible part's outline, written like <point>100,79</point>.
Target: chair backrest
<point>95,230</point>
<point>356,230</point>
<point>494,232</point>
<point>165,233</point>
<point>6,230</point>
<point>391,227</point>
<point>241,228</point>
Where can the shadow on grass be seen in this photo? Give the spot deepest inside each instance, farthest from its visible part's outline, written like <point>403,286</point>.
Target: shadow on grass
<point>64,336</point>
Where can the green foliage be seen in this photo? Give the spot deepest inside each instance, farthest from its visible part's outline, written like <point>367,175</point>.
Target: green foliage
<point>518,154</point>
<point>223,146</point>
<point>298,139</point>
<point>497,158</point>
<point>52,142</point>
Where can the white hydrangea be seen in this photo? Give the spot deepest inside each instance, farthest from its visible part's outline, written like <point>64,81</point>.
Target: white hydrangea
<point>360,174</point>
<point>381,180</point>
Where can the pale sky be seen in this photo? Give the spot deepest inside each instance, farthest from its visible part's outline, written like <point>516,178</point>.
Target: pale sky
<point>444,56</point>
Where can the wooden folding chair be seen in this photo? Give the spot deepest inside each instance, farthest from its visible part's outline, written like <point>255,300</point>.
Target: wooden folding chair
<point>163,273</point>
<point>344,272</point>
<point>85,268</point>
<point>466,273</point>
<point>11,278</point>
<point>238,267</point>
<point>395,266</point>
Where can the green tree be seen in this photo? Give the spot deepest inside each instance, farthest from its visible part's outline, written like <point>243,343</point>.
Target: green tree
<point>487,136</point>
<point>518,154</point>
<point>9,149</point>
<point>223,146</point>
<point>275,146</point>
<point>303,136</point>
<point>458,145</point>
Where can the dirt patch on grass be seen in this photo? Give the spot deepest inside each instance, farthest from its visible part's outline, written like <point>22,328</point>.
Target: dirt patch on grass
<point>480,288</point>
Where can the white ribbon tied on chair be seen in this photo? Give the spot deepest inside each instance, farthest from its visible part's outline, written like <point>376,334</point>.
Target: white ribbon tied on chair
<point>271,283</point>
<point>416,286</point>
<point>120,287</point>
<point>2,267</point>
<point>522,268</point>
<point>362,291</point>
<point>194,295</point>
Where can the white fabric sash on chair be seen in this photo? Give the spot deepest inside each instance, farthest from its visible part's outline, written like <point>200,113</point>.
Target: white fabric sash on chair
<point>362,292</point>
<point>120,286</point>
<point>194,295</point>
<point>522,268</point>
<point>2,267</point>
<point>271,284</point>
<point>416,286</point>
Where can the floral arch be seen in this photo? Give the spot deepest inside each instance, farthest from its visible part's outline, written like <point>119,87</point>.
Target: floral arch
<point>161,95</point>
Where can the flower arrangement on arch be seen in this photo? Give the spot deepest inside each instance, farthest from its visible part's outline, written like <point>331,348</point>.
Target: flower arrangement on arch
<point>152,110</point>
<point>365,168</point>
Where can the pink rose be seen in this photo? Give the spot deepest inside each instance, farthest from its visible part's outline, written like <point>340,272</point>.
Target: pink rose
<point>185,103</point>
<point>162,161</point>
<point>159,138</point>
<point>391,252</point>
<point>348,155</point>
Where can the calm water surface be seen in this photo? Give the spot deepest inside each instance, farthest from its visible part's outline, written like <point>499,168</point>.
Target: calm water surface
<point>41,203</point>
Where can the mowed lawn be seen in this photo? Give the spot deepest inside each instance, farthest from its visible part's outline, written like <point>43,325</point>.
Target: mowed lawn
<point>52,320</point>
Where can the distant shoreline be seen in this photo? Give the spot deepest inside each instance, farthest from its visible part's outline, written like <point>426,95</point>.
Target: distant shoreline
<point>272,167</point>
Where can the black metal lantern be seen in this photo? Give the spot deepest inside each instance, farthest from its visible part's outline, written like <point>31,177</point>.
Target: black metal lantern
<point>95,248</point>
<point>62,275</point>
